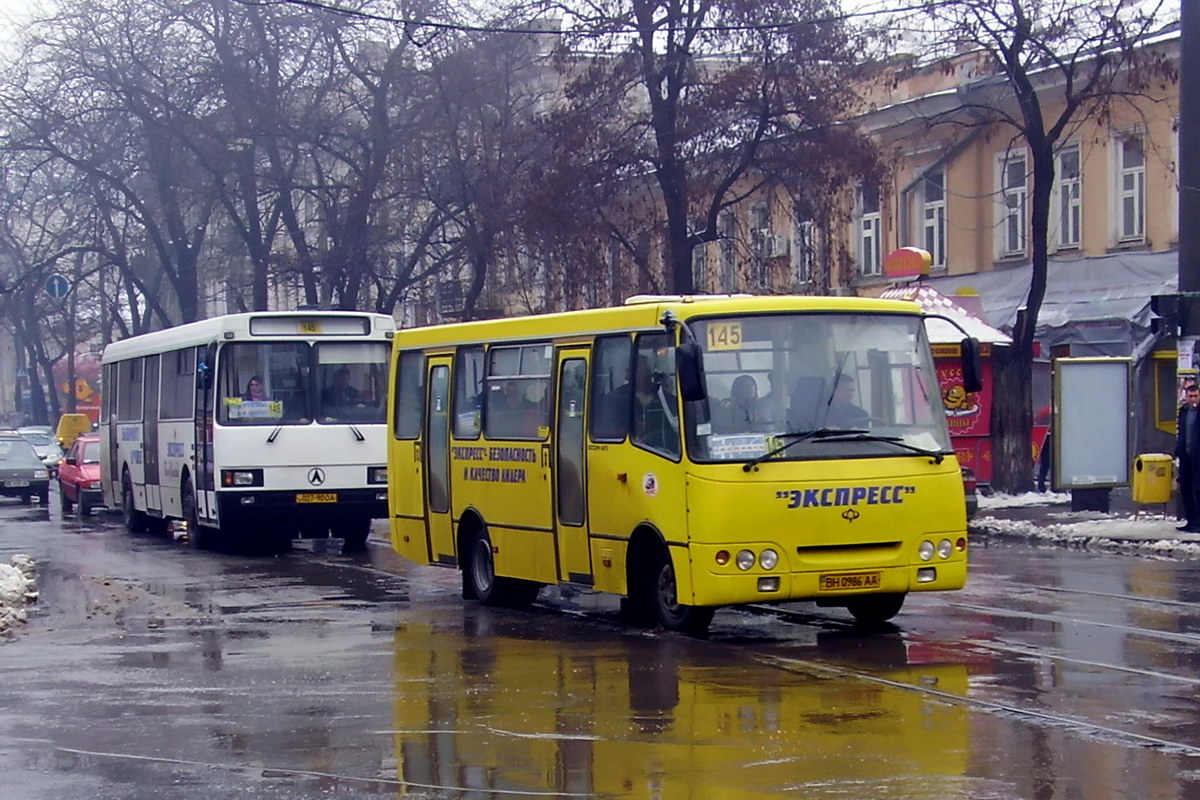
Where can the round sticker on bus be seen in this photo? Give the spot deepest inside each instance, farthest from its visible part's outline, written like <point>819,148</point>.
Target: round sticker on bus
<point>650,484</point>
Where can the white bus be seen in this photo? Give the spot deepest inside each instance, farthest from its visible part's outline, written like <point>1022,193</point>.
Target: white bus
<point>250,428</point>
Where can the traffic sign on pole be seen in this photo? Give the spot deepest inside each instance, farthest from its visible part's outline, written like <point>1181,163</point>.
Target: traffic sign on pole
<point>57,286</point>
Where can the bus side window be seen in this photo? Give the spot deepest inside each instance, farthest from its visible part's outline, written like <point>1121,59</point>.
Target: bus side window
<point>611,389</point>
<point>468,393</point>
<point>410,400</point>
<point>655,401</point>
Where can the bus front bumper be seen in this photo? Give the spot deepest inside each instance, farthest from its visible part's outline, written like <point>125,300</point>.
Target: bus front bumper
<point>760,586</point>
<point>332,505</point>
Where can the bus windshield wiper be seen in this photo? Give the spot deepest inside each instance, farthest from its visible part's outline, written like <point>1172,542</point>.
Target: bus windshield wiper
<point>797,437</point>
<point>864,436</point>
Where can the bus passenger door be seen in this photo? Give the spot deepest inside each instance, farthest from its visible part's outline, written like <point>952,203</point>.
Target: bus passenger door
<point>439,525</point>
<point>150,435</point>
<point>570,483</point>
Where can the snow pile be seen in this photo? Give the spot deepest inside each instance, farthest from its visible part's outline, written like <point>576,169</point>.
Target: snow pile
<point>16,589</point>
<point>1153,537</point>
<point>988,502</point>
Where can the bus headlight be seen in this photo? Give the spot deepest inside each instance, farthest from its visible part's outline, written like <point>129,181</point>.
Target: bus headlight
<point>944,548</point>
<point>745,560</point>
<point>376,474</point>
<point>768,558</point>
<point>925,550</point>
<point>241,477</point>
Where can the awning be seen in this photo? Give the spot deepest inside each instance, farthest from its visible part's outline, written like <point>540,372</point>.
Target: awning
<point>1100,304</point>
<point>932,301</point>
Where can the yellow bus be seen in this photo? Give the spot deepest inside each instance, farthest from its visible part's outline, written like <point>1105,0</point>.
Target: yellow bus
<point>684,453</point>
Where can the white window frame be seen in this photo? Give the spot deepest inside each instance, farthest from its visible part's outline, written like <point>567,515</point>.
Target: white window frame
<point>1067,203</point>
<point>1012,206</point>
<point>727,227</point>
<point>699,260</point>
<point>868,235</point>
<point>933,218</point>
<point>1136,195</point>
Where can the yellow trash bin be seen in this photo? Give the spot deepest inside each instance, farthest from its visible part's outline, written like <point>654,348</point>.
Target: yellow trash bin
<point>1152,476</point>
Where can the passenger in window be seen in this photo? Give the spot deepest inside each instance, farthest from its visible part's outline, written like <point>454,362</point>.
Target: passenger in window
<point>741,413</point>
<point>341,393</point>
<point>842,412</point>
<point>255,389</point>
<point>655,415</point>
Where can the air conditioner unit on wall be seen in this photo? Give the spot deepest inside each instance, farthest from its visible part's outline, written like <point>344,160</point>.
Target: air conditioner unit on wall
<point>778,245</point>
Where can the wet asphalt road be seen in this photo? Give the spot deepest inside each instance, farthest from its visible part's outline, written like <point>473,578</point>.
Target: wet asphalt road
<point>149,671</point>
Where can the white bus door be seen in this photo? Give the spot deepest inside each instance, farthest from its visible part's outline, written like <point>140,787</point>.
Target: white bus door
<point>570,482</point>
<point>150,436</point>
<point>439,525</point>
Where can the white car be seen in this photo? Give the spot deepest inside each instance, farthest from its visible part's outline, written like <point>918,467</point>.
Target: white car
<point>47,449</point>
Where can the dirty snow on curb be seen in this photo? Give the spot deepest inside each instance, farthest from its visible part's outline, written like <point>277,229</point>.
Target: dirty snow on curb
<point>1145,536</point>
<point>987,502</point>
<point>16,590</point>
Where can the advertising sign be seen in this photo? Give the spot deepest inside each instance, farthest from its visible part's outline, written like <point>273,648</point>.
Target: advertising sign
<point>1092,422</point>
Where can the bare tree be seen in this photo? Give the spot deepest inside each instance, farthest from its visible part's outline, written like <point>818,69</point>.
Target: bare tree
<point>716,99</point>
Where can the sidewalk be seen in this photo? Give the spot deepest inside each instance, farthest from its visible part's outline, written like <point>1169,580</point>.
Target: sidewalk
<point>1047,519</point>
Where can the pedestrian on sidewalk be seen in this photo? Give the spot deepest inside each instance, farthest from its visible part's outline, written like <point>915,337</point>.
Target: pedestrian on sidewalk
<point>1187,454</point>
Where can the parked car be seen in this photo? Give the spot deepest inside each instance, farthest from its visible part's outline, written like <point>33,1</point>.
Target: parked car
<point>971,490</point>
<point>44,444</point>
<point>79,475</point>
<point>22,473</point>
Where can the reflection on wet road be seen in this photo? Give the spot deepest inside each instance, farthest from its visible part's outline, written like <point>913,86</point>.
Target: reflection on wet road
<point>148,671</point>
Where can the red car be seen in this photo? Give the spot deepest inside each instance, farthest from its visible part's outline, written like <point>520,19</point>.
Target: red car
<point>79,475</point>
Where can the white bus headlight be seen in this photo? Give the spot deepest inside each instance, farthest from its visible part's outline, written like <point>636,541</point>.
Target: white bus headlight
<point>376,474</point>
<point>768,558</point>
<point>745,560</point>
<point>925,551</point>
<point>241,477</point>
<point>944,548</point>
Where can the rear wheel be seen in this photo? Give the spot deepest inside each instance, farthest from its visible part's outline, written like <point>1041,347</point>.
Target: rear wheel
<point>135,521</point>
<point>487,587</point>
<point>874,609</point>
<point>664,597</point>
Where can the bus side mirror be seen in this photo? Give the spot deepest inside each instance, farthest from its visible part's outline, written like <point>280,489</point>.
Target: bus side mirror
<point>972,365</point>
<point>689,366</point>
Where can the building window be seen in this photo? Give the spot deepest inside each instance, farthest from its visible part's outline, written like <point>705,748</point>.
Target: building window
<point>699,259</point>
<point>870,262</point>
<point>1131,185</point>
<point>1067,187</point>
<point>1012,206</point>
<point>804,249</point>
<point>933,216</point>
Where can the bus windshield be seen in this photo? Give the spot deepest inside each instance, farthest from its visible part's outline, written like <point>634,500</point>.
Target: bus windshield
<point>295,383</point>
<point>838,385</point>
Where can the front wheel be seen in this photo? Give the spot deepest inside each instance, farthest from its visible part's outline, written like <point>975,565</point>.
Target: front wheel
<point>669,612</point>
<point>64,501</point>
<point>874,609</point>
<point>198,538</point>
<point>353,533</point>
<point>44,497</point>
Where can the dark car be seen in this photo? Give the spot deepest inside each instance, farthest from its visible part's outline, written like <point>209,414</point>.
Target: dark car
<point>971,490</point>
<point>22,473</point>
<point>79,475</point>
